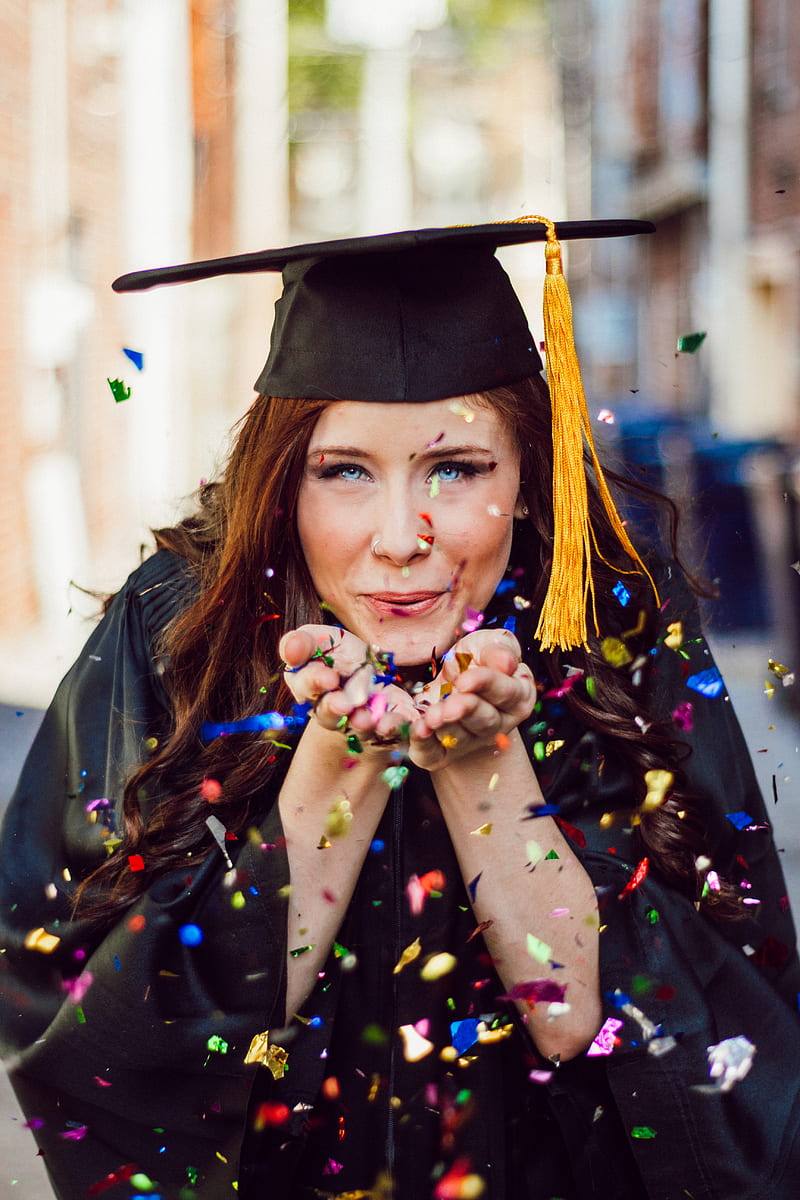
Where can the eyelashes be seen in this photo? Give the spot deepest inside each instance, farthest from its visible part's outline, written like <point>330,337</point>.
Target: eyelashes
<point>447,471</point>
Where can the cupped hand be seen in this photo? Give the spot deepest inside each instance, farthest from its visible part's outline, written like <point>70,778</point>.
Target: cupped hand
<point>331,669</point>
<point>484,689</point>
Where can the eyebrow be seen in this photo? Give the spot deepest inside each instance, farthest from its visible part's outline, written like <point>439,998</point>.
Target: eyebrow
<point>438,451</point>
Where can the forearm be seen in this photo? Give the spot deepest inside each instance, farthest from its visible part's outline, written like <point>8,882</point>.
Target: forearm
<point>324,859</point>
<point>542,910</point>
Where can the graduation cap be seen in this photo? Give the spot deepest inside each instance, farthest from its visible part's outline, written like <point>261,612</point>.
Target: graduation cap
<point>430,314</point>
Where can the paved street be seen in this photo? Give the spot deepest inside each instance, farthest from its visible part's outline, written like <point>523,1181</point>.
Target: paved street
<point>772,730</point>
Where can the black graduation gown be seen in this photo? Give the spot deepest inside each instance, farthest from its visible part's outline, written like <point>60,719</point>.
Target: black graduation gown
<point>130,1053</point>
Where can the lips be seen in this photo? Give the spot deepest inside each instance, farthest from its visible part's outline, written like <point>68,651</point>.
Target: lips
<point>403,604</point>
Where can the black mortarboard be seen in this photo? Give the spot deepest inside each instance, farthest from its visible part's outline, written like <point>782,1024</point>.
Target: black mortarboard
<point>430,314</point>
<point>420,315</point>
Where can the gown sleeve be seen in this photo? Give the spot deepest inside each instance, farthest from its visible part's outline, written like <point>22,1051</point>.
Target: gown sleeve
<point>67,803</point>
<point>675,981</point>
<point>131,1047</point>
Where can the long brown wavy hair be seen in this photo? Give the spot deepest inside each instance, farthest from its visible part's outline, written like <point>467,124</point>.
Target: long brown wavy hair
<point>253,585</point>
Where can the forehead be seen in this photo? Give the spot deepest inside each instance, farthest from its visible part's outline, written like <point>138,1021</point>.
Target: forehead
<point>405,428</point>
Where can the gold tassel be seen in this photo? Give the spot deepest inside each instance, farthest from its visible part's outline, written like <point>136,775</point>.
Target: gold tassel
<point>562,622</point>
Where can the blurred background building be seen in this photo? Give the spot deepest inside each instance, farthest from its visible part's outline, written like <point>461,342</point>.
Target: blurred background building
<point>141,132</point>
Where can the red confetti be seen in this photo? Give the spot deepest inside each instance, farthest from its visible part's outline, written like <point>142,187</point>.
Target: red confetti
<point>136,923</point>
<point>425,517</point>
<point>636,878</point>
<point>115,1177</point>
<point>136,862</point>
<point>270,1113</point>
<point>211,790</point>
<point>577,835</point>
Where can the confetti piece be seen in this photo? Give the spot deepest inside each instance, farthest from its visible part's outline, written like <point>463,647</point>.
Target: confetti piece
<point>394,776</point>
<point>40,939</point>
<point>75,1135</point>
<point>448,741</point>
<point>606,416</point>
<point>135,356</point>
<point>119,390</point>
<point>729,1061</point>
<point>532,991</point>
<point>415,1046</point>
<point>551,747</point>
<point>472,886</point>
<point>437,966</point>
<point>211,790</point>
<point>502,741</point>
<point>606,1039</point>
<point>658,784</point>
<point>688,343</point>
<point>674,636</point>
<point>683,716</point>
<point>740,819</point>
<point>537,948</point>
<point>274,1058</point>
<point>636,878</point>
<point>708,683</point>
<point>473,619</point>
<point>643,1132</point>
<point>485,830</point>
<point>409,954</point>
<point>339,818</point>
<point>460,1183</point>
<point>615,652</point>
<point>621,593</point>
<point>217,1044</point>
<point>136,862</point>
<point>461,410</point>
<point>551,854</point>
<point>77,988</point>
<point>464,1033</point>
<point>269,1114</point>
<point>534,852</point>
<point>190,934</point>
<point>219,832</point>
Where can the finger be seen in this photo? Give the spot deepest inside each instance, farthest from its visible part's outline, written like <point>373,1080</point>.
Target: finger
<point>508,693</point>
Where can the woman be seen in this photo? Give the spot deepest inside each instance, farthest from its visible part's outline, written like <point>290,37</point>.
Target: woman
<point>399,903</point>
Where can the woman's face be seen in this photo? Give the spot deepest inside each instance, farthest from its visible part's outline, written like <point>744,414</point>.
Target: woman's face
<point>405,517</point>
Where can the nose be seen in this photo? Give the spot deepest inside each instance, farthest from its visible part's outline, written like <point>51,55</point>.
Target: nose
<point>402,535</point>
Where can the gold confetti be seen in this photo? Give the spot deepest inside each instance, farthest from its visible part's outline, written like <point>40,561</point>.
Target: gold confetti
<point>674,638</point>
<point>777,668</point>
<point>493,782</point>
<point>658,784</point>
<point>339,819</point>
<point>448,741</point>
<point>463,660</point>
<point>769,690</point>
<point>482,829</point>
<point>409,954</point>
<point>615,652</point>
<point>551,747</point>
<point>438,965</point>
<point>461,410</point>
<point>40,939</point>
<point>274,1058</point>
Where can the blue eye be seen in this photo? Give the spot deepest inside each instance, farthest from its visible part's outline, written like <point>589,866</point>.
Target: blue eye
<point>449,472</point>
<point>349,472</point>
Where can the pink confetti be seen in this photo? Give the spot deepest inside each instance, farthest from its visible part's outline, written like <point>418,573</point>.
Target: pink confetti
<point>606,1039</point>
<point>473,619</point>
<point>77,988</point>
<point>75,1135</point>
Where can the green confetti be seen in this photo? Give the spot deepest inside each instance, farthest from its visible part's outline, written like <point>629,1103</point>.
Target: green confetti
<point>300,950</point>
<point>340,951</point>
<point>642,1131</point>
<point>538,751</point>
<point>119,390</point>
<point>538,949</point>
<point>551,854</point>
<point>591,687</point>
<point>651,914</point>
<point>690,342</point>
<point>394,776</point>
<point>215,1042</point>
<point>354,744</point>
<point>80,1014</point>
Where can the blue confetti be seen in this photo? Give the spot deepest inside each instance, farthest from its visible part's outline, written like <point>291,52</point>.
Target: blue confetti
<point>190,935</point>
<point>740,819</point>
<point>464,1034</point>
<point>473,886</point>
<point>543,810</point>
<point>136,357</point>
<point>621,592</point>
<point>708,683</point>
<point>510,624</point>
<point>505,585</point>
<point>377,846</point>
<point>257,724</point>
<point>117,963</point>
